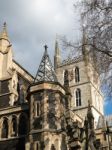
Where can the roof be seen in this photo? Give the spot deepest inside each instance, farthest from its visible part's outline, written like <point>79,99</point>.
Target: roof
<point>4,34</point>
<point>46,70</point>
<point>102,121</point>
<point>23,71</point>
<point>71,60</point>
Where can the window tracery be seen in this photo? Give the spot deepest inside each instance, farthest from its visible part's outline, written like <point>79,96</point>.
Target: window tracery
<point>77,75</point>
<point>78,97</point>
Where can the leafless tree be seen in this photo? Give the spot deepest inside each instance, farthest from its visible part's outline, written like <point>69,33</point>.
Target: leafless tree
<point>96,23</point>
<point>97,27</point>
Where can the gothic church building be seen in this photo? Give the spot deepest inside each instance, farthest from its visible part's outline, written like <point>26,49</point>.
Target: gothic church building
<point>53,110</point>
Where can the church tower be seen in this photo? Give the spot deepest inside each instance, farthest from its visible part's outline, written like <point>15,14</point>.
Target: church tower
<point>46,102</point>
<point>84,84</point>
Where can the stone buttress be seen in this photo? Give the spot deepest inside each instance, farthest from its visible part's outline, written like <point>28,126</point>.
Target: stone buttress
<point>47,107</point>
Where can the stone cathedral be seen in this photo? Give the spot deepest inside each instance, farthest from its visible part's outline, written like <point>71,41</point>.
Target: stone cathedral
<point>61,108</point>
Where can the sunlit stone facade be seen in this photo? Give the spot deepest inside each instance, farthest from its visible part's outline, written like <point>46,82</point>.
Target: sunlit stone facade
<point>88,83</point>
<point>56,110</point>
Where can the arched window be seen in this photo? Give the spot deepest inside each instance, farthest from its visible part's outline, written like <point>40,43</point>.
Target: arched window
<point>56,143</point>
<point>53,147</point>
<point>37,109</point>
<point>5,128</point>
<point>77,75</point>
<point>66,81</point>
<point>36,146</point>
<point>14,126</point>
<point>23,124</point>
<point>78,97</point>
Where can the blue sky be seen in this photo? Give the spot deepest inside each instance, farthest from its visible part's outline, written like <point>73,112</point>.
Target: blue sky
<point>108,107</point>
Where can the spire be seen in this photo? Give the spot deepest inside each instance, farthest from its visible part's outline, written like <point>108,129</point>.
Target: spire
<point>4,34</point>
<point>89,113</point>
<point>45,71</point>
<point>90,116</point>
<point>57,57</point>
<point>84,41</point>
<point>57,51</point>
<point>66,81</point>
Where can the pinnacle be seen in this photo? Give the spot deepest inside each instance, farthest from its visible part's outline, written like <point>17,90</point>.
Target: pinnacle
<point>4,34</point>
<point>57,48</point>
<point>89,113</point>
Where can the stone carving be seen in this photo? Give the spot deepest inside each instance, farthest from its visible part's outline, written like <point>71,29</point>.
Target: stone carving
<point>22,93</point>
<point>13,88</point>
<point>22,90</point>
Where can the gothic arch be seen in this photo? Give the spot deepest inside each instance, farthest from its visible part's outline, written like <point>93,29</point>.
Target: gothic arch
<point>14,125</point>
<point>23,124</point>
<point>56,143</point>
<point>5,128</point>
<point>77,75</point>
<point>37,145</point>
<point>53,147</point>
<point>78,97</point>
<point>66,77</point>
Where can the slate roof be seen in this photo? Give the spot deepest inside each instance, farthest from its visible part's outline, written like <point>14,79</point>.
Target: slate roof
<point>70,61</point>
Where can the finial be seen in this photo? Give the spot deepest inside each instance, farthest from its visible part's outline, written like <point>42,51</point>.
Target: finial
<point>5,24</point>
<point>45,71</point>
<point>45,47</point>
<point>4,34</point>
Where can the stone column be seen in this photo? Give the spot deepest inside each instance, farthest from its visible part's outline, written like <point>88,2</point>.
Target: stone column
<point>27,146</point>
<point>17,125</point>
<point>9,127</point>
<point>31,112</point>
<point>0,128</point>
<point>47,141</point>
<point>45,109</point>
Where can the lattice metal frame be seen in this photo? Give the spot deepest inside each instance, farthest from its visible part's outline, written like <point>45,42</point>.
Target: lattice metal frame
<point>45,71</point>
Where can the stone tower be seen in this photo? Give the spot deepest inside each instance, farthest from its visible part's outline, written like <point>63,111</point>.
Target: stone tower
<point>5,54</point>
<point>84,84</point>
<point>46,101</point>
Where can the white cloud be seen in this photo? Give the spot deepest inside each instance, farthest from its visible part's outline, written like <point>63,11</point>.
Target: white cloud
<point>31,24</point>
